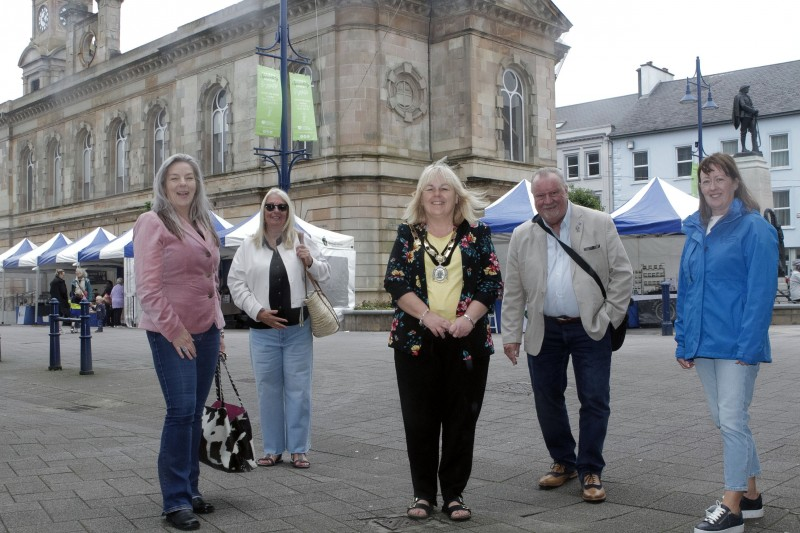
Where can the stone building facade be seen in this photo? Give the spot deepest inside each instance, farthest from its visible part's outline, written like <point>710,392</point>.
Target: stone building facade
<point>397,84</point>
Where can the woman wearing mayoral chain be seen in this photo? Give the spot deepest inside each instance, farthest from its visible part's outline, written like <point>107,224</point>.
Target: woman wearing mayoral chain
<point>443,276</point>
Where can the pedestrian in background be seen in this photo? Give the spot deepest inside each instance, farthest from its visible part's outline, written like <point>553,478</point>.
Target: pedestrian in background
<point>58,290</point>
<point>100,313</point>
<point>794,282</point>
<point>117,302</point>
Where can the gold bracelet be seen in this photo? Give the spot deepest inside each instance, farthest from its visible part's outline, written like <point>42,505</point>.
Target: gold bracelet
<point>465,315</point>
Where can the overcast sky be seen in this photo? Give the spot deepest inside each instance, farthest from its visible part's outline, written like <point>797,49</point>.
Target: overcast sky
<point>609,40</point>
<point>142,21</point>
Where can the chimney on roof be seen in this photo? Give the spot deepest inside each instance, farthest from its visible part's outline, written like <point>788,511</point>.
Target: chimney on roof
<point>650,76</point>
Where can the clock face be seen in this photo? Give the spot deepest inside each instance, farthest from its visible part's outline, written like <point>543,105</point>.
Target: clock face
<point>44,18</point>
<point>62,16</point>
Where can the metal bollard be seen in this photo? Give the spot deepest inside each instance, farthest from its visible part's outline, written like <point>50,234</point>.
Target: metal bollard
<point>86,340</point>
<point>55,340</point>
<point>666,315</point>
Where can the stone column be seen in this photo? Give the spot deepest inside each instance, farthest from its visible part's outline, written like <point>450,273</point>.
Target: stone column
<point>756,175</point>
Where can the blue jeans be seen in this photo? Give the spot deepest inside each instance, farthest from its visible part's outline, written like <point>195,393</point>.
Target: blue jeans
<point>591,362</point>
<point>729,391</point>
<point>185,384</point>
<point>282,361</point>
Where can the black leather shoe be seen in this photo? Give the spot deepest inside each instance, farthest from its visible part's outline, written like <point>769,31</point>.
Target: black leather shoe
<point>200,506</point>
<point>184,519</point>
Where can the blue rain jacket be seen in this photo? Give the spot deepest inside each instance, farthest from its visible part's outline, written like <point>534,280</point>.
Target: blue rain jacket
<point>726,288</point>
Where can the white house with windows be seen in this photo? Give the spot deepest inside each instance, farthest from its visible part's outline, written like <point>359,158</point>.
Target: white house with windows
<point>651,134</point>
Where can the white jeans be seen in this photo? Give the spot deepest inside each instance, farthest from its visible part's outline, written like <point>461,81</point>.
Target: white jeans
<point>729,391</point>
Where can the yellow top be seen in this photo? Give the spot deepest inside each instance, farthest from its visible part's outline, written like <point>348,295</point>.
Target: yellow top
<point>443,296</point>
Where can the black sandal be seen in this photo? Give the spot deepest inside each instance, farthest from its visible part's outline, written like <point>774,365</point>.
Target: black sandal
<point>417,504</point>
<point>450,509</point>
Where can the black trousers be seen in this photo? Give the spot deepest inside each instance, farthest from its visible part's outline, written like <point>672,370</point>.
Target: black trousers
<point>440,393</point>
<point>116,316</point>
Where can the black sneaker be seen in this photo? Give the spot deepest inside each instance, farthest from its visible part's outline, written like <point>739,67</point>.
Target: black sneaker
<point>752,508</point>
<point>720,519</point>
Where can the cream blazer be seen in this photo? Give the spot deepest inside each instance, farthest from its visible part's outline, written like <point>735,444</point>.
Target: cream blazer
<point>594,237</point>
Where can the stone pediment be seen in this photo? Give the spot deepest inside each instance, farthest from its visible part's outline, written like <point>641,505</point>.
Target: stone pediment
<point>29,55</point>
<point>533,15</point>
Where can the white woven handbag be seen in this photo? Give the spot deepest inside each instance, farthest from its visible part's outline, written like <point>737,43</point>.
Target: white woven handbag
<point>324,320</point>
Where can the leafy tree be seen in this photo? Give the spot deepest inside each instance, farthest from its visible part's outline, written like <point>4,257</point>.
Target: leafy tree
<point>584,197</point>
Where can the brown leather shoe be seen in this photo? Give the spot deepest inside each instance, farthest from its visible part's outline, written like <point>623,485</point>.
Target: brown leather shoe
<point>557,476</point>
<point>593,490</point>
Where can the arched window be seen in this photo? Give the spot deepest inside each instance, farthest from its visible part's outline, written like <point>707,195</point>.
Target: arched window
<point>29,185</point>
<point>121,159</point>
<point>159,140</point>
<point>86,166</point>
<point>513,116</point>
<point>56,174</point>
<point>219,133</point>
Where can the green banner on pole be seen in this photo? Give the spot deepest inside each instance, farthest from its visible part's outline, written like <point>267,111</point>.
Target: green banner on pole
<point>304,126</point>
<point>695,191</point>
<point>269,102</point>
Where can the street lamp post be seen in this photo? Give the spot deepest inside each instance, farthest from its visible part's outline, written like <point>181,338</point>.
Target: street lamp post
<point>700,84</point>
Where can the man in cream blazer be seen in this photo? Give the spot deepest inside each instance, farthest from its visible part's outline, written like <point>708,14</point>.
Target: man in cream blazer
<point>566,316</point>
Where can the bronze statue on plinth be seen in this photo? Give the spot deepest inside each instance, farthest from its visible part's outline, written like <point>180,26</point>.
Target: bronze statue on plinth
<point>745,118</point>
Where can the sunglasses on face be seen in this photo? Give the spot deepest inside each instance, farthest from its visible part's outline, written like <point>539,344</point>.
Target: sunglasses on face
<point>281,207</point>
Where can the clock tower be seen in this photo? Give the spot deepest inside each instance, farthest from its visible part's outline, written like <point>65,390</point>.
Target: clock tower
<point>43,61</point>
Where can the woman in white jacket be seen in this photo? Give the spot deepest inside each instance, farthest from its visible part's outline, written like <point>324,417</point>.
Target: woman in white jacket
<point>267,281</point>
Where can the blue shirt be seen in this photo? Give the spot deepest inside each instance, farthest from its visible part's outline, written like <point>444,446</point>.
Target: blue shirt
<point>560,299</point>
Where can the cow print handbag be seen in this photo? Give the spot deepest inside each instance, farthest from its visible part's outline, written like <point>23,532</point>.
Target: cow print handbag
<point>227,440</point>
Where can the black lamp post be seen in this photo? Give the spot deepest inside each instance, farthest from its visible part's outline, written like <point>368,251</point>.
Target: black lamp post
<point>700,83</point>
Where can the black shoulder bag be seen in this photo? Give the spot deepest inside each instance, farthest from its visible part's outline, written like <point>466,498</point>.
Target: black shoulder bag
<point>618,333</point>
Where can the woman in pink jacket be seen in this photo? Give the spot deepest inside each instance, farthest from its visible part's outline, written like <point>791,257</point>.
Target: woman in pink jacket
<point>177,265</point>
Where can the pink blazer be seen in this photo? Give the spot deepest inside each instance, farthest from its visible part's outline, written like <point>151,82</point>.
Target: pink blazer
<point>176,280</point>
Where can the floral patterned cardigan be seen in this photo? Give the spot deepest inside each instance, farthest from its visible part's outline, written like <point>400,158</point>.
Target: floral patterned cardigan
<point>482,282</point>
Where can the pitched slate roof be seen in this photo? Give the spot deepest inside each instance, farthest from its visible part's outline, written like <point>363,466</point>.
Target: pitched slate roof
<point>773,89</point>
<point>594,114</point>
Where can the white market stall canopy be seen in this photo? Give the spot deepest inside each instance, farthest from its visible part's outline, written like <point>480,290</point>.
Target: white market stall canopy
<point>511,209</point>
<point>658,209</point>
<point>30,259</point>
<point>69,254</point>
<point>106,251</point>
<point>22,247</point>
<point>220,226</point>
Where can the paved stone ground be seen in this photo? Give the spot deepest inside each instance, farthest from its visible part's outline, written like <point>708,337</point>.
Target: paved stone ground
<point>78,453</point>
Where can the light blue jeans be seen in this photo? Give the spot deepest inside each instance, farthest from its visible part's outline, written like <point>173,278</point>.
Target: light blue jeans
<point>282,362</point>
<point>729,391</point>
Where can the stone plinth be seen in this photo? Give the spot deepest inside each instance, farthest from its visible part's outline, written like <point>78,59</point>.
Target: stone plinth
<point>755,173</point>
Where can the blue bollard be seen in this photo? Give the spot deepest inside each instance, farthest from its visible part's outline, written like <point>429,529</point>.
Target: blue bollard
<point>55,340</point>
<point>86,340</point>
<point>666,318</point>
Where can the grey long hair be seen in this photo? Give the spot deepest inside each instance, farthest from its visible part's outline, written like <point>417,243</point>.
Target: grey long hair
<point>200,207</point>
